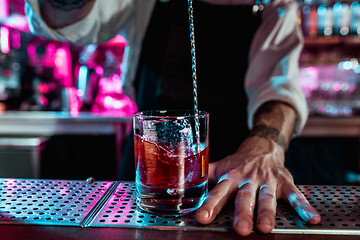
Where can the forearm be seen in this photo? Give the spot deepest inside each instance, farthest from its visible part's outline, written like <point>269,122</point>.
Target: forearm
<point>275,120</point>
<point>61,13</point>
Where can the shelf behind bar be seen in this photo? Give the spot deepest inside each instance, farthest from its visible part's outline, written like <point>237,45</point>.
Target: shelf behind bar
<point>51,123</point>
<point>332,127</point>
<point>57,123</point>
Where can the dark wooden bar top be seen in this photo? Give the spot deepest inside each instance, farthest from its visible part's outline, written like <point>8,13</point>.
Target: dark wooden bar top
<point>19,232</point>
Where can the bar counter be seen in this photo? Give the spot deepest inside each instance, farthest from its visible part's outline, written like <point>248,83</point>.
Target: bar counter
<point>65,209</point>
<point>11,232</point>
<point>50,219</point>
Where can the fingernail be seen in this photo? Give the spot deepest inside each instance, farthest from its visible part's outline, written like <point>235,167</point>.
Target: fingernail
<point>311,215</point>
<point>304,215</point>
<point>203,214</point>
<point>243,224</point>
<point>265,221</point>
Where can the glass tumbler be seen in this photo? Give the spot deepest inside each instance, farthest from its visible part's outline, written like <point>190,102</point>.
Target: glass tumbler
<point>171,160</point>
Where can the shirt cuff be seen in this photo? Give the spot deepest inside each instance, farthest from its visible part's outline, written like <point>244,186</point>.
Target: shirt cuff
<point>292,97</point>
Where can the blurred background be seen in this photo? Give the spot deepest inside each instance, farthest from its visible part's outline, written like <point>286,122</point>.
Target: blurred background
<point>67,100</point>
<point>63,82</point>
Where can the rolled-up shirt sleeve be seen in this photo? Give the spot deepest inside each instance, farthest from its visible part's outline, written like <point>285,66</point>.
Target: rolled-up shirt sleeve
<point>274,62</point>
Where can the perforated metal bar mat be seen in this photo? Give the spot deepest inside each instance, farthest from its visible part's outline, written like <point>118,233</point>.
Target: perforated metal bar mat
<point>48,202</point>
<point>338,206</point>
<point>112,204</point>
<point>121,211</point>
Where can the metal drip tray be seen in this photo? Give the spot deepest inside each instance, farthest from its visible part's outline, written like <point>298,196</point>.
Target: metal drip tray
<point>121,211</point>
<point>113,204</point>
<point>338,206</point>
<point>48,202</point>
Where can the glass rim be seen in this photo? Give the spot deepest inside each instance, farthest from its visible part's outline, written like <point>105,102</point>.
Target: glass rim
<point>173,114</point>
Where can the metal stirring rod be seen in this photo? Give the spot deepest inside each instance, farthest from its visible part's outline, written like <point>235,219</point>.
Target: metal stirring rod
<point>194,76</point>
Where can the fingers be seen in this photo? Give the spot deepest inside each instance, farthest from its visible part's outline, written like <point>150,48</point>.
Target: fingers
<point>215,201</point>
<point>244,208</point>
<point>250,192</point>
<point>298,201</point>
<point>211,173</point>
<point>266,209</point>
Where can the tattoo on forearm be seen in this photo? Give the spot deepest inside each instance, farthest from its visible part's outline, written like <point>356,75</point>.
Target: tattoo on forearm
<point>68,5</point>
<point>269,133</point>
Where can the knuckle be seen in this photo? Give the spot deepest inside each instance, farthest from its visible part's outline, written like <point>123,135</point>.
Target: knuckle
<point>266,212</point>
<point>244,194</point>
<point>233,174</point>
<point>216,194</point>
<point>229,176</point>
<point>266,195</point>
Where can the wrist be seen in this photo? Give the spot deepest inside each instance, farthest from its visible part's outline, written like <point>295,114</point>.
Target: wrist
<point>271,133</point>
<point>277,115</point>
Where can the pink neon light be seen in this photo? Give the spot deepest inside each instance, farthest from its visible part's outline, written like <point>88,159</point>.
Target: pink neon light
<point>43,88</point>
<point>117,40</point>
<point>16,39</point>
<point>6,73</point>
<point>99,70</point>
<point>31,51</point>
<point>337,87</point>
<point>110,85</point>
<point>59,62</point>
<point>43,100</point>
<point>118,86</point>
<point>4,8</point>
<point>80,93</point>
<point>74,102</point>
<point>116,46</point>
<point>49,56</point>
<point>17,22</point>
<point>116,104</point>
<point>5,39</point>
<point>108,101</point>
<point>63,66</point>
<point>74,112</point>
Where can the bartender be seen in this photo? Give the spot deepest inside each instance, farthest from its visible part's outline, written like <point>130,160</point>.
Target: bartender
<point>247,66</point>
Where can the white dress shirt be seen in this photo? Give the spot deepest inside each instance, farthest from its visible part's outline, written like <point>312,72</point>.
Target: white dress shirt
<point>273,60</point>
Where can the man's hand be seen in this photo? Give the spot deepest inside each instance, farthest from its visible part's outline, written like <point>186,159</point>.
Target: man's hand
<point>254,175</point>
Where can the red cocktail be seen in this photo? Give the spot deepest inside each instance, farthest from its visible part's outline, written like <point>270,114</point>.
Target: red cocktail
<point>171,170</point>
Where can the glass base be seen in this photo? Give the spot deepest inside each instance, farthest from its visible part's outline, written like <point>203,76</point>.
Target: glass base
<point>170,202</point>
